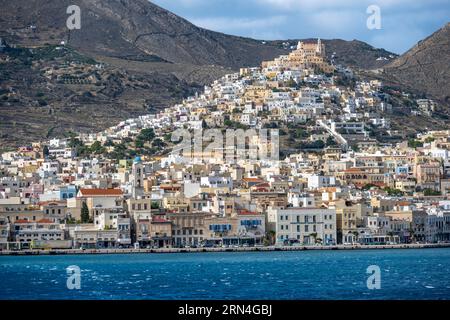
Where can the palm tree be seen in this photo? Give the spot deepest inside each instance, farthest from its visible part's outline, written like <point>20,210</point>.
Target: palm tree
<point>391,235</point>
<point>84,213</point>
<point>411,235</point>
<point>356,234</point>
<point>314,235</point>
<point>271,236</point>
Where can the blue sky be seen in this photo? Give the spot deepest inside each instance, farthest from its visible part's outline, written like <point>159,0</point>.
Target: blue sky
<point>403,22</point>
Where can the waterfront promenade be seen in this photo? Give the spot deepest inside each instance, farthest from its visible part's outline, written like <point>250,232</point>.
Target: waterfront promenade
<point>220,249</point>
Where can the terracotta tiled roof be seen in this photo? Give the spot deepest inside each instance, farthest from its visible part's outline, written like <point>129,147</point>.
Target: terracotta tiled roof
<point>44,203</point>
<point>169,186</point>
<point>262,185</point>
<point>252,180</point>
<point>246,212</point>
<point>21,221</point>
<point>160,220</point>
<point>353,170</point>
<point>100,192</point>
<point>45,221</point>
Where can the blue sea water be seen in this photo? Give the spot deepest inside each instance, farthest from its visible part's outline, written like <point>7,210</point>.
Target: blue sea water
<point>405,274</point>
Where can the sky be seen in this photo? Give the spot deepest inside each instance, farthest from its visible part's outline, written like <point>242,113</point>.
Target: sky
<point>403,22</point>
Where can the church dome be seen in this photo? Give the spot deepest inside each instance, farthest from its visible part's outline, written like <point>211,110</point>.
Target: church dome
<point>137,160</point>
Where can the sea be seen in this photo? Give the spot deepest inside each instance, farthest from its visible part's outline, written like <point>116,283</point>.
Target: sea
<point>392,274</point>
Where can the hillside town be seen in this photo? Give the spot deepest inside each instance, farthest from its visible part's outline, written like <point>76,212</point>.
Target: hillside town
<point>340,173</point>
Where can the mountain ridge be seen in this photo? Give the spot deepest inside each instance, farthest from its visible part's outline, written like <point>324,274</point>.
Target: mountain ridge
<point>140,27</point>
<point>150,57</point>
<point>425,68</point>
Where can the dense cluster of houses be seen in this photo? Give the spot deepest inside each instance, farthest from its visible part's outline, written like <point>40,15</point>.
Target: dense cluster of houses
<point>50,197</point>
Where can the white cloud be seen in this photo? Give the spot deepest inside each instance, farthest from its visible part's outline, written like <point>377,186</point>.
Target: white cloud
<point>259,27</point>
<point>404,22</point>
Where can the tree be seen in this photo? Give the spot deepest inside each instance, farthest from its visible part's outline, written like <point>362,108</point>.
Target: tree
<point>97,148</point>
<point>45,151</point>
<point>271,237</point>
<point>412,235</point>
<point>412,143</point>
<point>291,83</point>
<point>79,146</point>
<point>75,142</point>
<point>168,137</point>
<point>391,236</point>
<point>85,213</point>
<point>314,235</point>
<point>393,192</point>
<point>109,143</point>
<point>369,186</point>
<point>330,142</point>
<point>300,133</point>
<point>139,143</point>
<point>155,205</point>
<point>318,144</point>
<point>146,135</point>
<point>158,143</point>
<point>431,192</point>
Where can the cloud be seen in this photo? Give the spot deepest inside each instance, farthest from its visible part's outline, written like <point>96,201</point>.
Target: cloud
<point>257,27</point>
<point>404,22</point>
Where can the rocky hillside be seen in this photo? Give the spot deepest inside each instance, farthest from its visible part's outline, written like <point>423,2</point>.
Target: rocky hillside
<point>426,67</point>
<point>130,57</point>
<point>140,30</point>
<point>132,29</point>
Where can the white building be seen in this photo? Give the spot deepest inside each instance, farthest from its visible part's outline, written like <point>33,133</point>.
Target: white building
<point>303,225</point>
<point>317,181</point>
<point>217,182</point>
